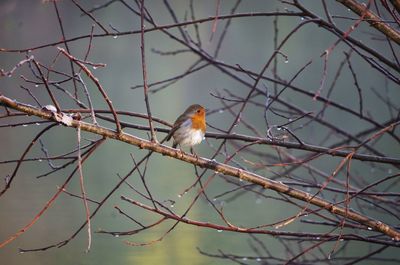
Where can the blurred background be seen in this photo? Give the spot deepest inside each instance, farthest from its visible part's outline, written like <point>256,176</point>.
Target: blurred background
<point>249,42</point>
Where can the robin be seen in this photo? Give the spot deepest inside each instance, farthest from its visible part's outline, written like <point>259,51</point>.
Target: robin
<point>189,128</point>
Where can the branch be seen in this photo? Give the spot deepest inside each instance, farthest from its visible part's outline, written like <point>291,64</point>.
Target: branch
<point>374,20</point>
<point>210,164</point>
<point>161,27</point>
<point>145,86</point>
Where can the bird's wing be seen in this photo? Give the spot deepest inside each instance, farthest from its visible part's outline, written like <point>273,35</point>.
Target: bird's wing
<point>171,132</point>
<point>182,121</point>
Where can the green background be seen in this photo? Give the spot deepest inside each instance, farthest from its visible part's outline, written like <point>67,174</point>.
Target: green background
<point>249,43</point>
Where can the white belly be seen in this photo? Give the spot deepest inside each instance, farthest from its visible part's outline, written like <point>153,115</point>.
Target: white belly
<point>188,137</point>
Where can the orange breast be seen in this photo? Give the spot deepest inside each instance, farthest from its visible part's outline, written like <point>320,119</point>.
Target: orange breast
<point>199,122</point>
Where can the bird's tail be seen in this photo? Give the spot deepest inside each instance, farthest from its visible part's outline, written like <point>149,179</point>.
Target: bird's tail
<point>169,136</point>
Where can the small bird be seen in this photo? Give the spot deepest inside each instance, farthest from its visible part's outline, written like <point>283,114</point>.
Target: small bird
<point>189,128</point>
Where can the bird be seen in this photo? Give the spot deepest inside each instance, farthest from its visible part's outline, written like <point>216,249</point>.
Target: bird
<point>189,128</point>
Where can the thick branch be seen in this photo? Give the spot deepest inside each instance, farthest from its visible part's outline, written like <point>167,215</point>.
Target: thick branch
<point>396,4</point>
<point>374,20</point>
<point>213,165</point>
